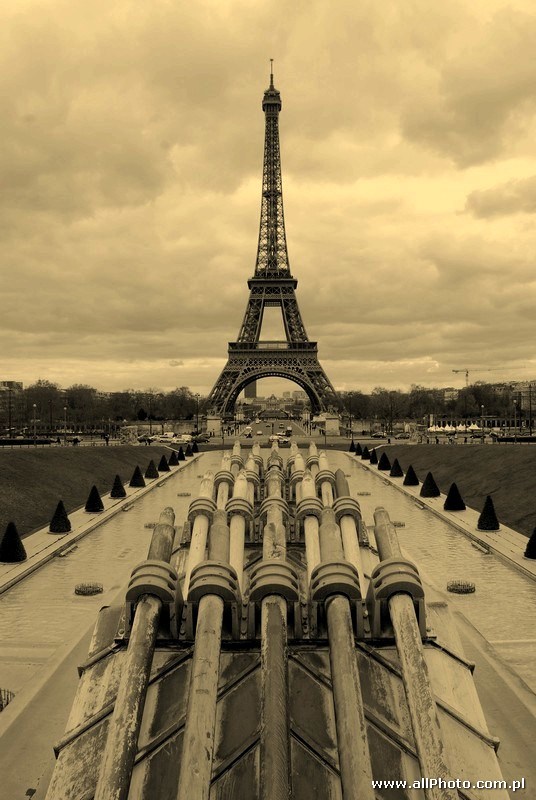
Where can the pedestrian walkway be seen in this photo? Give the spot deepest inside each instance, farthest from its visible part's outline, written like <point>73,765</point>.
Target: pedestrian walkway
<point>506,543</point>
<point>42,545</point>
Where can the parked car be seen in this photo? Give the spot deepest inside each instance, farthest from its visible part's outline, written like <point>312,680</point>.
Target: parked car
<point>279,437</point>
<point>403,436</point>
<point>379,435</point>
<point>202,437</point>
<point>259,432</point>
<point>145,437</point>
<point>169,436</point>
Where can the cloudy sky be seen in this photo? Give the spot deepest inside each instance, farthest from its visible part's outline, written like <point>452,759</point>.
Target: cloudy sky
<point>131,164</point>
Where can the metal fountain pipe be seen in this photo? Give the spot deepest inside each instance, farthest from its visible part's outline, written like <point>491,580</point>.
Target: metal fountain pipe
<point>354,755</point>
<point>297,470</point>
<point>347,516</point>
<point>122,741</point>
<point>224,480</point>
<point>310,526</point>
<point>251,472</point>
<point>198,741</point>
<point>236,459</point>
<point>326,488</point>
<point>312,460</point>
<point>292,455</point>
<point>198,541</point>
<point>421,703</point>
<point>238,529</point>
<point>256,453</point>
<point>274,756</point>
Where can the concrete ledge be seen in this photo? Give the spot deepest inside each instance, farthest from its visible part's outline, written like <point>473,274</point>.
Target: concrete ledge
<point>505,543</point>
<point>42,545</point>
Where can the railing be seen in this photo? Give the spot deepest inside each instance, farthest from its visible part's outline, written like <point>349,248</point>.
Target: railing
<point>311,346</point>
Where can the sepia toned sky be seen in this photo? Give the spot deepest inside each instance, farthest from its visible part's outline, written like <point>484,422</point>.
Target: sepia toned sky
<point>131,165</point>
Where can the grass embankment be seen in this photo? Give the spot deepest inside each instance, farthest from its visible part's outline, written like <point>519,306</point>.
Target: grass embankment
<point>506,472</point>
<point>32,481</point>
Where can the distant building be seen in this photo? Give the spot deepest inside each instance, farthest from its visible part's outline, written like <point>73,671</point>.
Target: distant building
<point>450,394</point>
<point>10,403</point>
<point>250,391</point>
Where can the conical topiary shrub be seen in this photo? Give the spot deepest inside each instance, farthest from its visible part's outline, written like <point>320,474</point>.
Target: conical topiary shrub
<point>351,449</point>
<point>429,487</point>
<point>11,547</point>
<point>188,451</point>
<point>163,465</point>
<point>396,470</point>
<point>137,478</point>
<point>487,520</point>
<point>60,521</point>
<point>530,550</point>
<point>173,460</point>
<point>195,448</point>
<point>411,478</point>
<point>365,455</point>
<point>454,500</point>
<point>180,454</point>
<point>373,456</point>
<point>384,463</point>
<point>358,449</point>
<point>118,490</point>
<point>151,471</point>
<point>94,502</point>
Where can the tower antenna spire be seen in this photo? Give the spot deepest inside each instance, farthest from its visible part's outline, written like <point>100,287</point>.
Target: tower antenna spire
<point>271,73</point>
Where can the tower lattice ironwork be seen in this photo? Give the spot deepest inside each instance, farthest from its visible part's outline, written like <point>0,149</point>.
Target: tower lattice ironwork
<point>295,358</point>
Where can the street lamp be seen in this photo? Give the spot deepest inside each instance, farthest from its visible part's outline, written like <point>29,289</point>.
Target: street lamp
<point>515,420</point>
<point>9,422</point>
<point>34,424</point>
<point>197,413</point>
<point>64,426</point>
<point>482,421</point>
<point>530,409</point>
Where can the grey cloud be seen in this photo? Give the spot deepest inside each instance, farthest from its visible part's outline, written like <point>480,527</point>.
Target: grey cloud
<point>484,95</point>
<point>512,197</point>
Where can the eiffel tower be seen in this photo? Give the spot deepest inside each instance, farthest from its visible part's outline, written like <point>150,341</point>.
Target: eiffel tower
<point>295,358</point>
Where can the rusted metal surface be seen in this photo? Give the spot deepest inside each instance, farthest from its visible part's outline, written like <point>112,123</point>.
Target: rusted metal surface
<point>354,756</point>
<point>274,751</point>
<point>197,751</point>
<point>420,700</point>
<point>120,751</point>
<point>274,737</point>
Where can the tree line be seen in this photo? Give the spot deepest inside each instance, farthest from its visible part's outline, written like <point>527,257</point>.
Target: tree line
<point>82,404</point>
<point>420,402</point>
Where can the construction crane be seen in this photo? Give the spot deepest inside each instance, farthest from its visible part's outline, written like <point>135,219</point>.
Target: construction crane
<point>476,369</point>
